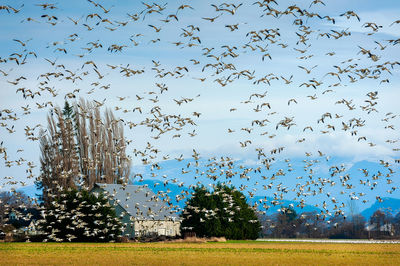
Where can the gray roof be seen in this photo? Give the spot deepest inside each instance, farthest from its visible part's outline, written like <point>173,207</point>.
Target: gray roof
<point>139,201</point>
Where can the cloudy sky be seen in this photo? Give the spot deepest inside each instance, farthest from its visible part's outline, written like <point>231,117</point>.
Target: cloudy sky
<point>293,73</point>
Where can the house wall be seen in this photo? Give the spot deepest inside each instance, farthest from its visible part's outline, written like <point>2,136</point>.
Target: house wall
<point>165,228</point>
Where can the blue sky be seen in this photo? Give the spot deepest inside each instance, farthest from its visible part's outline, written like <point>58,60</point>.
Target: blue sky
<point>215,101</point>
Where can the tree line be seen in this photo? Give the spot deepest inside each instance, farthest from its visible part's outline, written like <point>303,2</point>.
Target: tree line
<point>287,223</point>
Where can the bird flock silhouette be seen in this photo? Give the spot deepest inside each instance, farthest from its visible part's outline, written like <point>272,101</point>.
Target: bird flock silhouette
<point>282,77</point>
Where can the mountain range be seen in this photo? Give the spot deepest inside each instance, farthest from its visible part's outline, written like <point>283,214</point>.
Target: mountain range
<point>385,204</point>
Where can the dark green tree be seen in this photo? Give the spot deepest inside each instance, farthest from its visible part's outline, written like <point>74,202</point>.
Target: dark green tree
<point>68,111</point>
<point>79,216</point>
<point>222,212</point>
<point>396,222</point>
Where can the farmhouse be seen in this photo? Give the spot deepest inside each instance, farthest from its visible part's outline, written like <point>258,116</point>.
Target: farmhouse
<point>24,220</point>
<point>375,229</point>
<point>140,210</point>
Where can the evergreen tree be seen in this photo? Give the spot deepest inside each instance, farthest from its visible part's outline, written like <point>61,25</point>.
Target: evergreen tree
<point>223,212</point>
<point>79,216</point>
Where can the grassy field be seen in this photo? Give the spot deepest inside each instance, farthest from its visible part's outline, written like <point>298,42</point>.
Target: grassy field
<point>230,253</point>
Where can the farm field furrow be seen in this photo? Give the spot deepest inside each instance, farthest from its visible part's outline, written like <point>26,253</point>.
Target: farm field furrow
<point>230,253</point>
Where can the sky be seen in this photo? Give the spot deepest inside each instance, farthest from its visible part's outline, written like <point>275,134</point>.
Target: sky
<point>152,46</point>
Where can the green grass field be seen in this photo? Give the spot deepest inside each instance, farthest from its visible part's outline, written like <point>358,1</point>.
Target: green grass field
<point>230,253</point>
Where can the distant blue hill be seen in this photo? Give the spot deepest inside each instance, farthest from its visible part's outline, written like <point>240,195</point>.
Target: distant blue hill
<point>282,203</point>
<point>31,191</point>
<point>176,190</point>
<point>388,205</point>
<point>358,181</point>
<point>171,189</point>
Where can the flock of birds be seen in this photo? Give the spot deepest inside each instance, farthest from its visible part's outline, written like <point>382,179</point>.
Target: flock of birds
<point>91,65</point>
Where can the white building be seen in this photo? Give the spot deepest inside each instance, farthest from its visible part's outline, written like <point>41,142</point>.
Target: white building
<point>140,210</point>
